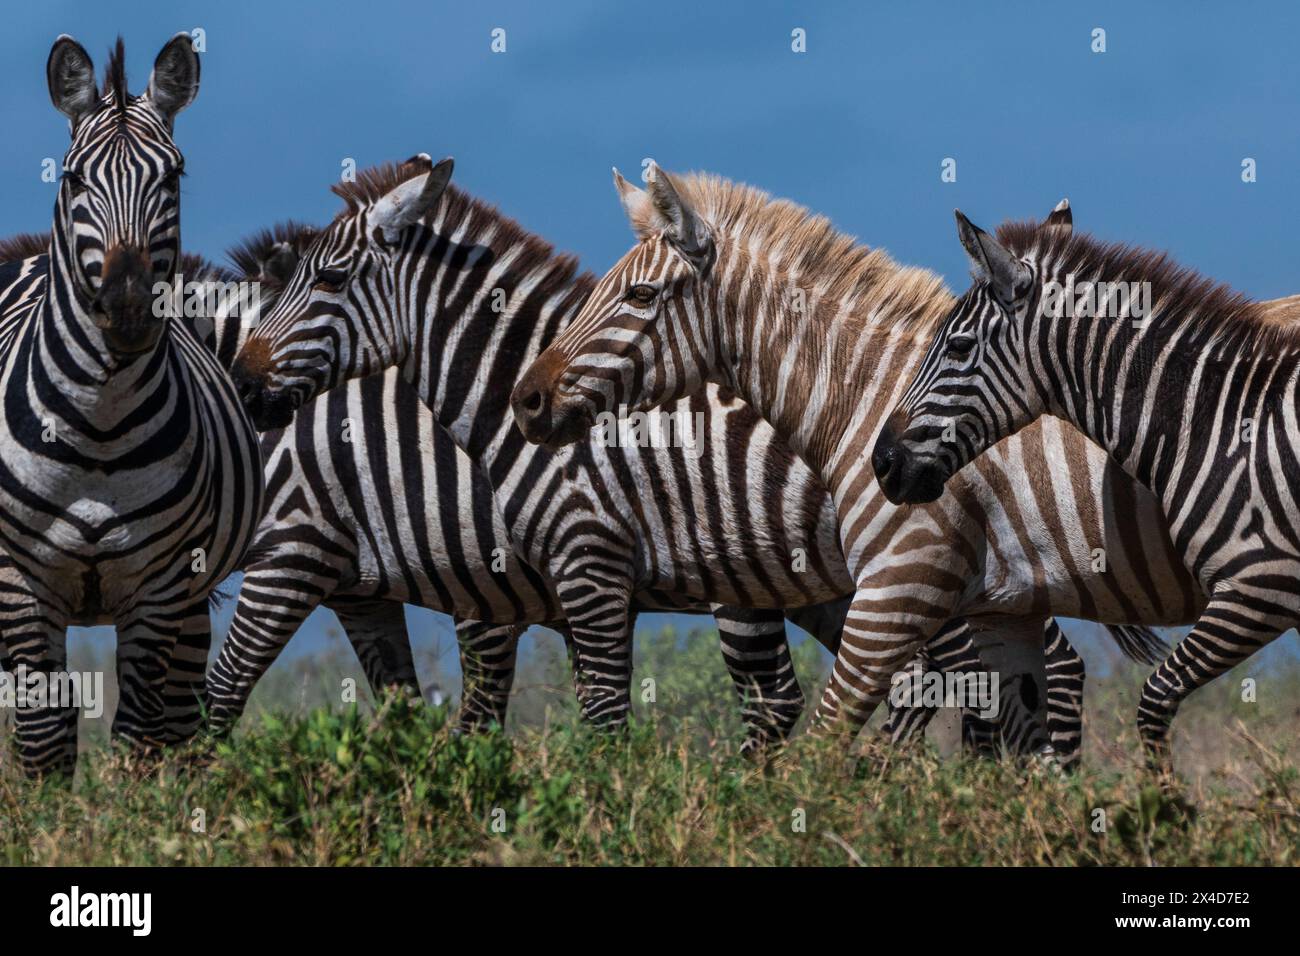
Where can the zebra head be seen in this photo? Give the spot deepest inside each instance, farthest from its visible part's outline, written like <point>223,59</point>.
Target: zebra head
<point>335,318</point>
<point>974,387</point>
<point>639,340</point>
<point>117,217</point>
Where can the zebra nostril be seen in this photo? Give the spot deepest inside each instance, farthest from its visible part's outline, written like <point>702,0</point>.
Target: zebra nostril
<point>533,401</point>
<point>880,460</point>
<point>883,457</point>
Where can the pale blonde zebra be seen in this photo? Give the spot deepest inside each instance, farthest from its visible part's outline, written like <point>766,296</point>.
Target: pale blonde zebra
<point>821,334</point>
<point>406,275</point>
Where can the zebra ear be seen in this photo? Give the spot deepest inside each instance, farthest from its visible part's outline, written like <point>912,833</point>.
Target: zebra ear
<point>1060,217</point>
<point>686,230</point>
<point>641,212</point>
<point>1008,276</point>
<point>71,77</point>
<point>175,79</point>
<point>280,262</point>
<point>410,202</point>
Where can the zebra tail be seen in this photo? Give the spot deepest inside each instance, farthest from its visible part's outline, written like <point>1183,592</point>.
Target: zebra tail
<point>1139,643</point>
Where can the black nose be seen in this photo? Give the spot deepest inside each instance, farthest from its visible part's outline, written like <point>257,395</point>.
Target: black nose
<point>126,284</point>
<point>249,389</point>
<point>885,453</point>
<point>244,382</point>
<point>532,402</point>
<point>532,411</point>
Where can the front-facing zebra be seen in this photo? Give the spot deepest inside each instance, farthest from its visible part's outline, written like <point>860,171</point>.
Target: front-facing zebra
<point>1190,387</point>
<point>130,478</point>
<point>332,535</point>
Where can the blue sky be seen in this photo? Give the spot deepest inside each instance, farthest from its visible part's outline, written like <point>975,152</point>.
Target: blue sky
<point>1147,138</point>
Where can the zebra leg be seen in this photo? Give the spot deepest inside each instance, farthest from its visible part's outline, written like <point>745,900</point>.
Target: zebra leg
<point>487,664</point>
<point>878,641</point>
<point>46,735</point>
<point>825,621</point>
<point>183,695</point>
<point>1012,652</point>
<point>270,610</point>
<point>1065,680</point>
<point>906,722</point>
<point>146,643</point>
<point>1229,631</point>
<point>952,650</point>
<point>376,629</point>
<point>601,625</point>
<point>757,655</point>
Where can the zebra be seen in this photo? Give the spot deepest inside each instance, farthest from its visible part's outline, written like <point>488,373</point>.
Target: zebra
<point>291,545</point>
<point>480,298</point>
<point>314,549</point>
<point>335,532</point>
<point>819,334</point>
<point>130,478</point>
<point>1188,386</point>
<point>273,604</point>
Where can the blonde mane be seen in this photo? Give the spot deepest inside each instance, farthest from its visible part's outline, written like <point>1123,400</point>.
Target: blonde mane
<point>804,244</point>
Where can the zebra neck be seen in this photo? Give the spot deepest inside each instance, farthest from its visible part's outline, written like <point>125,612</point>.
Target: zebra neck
<point>824,373</point>
<point>1172,392</point>
<point>468,350</point>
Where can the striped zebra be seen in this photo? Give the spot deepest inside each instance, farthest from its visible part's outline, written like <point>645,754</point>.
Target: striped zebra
<point>294,566</point>
<point>820,335</point>
<point>130,479</point>
<point>396,513</point>
<point>1189,387</point>
<point>331,535</point>
<point>290,569</point>
<point>479,298</point>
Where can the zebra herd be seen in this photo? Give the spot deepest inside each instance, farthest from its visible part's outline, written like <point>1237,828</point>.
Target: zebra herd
<point>425,374</point>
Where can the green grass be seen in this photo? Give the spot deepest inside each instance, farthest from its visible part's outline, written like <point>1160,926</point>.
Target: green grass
<point>388,783</point>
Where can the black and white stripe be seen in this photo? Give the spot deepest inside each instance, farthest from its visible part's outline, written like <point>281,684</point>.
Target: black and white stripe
<point>462,305</point>
<point>316,548</point>
<point>1188,386</point>
<point>130,477</point>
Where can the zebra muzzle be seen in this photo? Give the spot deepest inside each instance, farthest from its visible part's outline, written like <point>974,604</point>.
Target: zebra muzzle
<point>905,478</point>
<point>125,301</point>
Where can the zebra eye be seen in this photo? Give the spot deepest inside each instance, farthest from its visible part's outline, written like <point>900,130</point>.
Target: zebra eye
<point>74,181</point>
<point>642,294</point>
<point>959,346</point>
<point>331,280</point>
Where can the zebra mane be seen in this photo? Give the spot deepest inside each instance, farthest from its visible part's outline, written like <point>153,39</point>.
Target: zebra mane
<point>115,78</point>
<point>250,253</point>
<point>472,216</point>
<point>807,245</point>
<point>373,183</point>
<point>24,245</point>
<point>1175,289</point>
<point>195,267</point>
